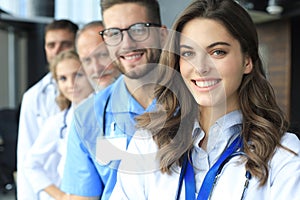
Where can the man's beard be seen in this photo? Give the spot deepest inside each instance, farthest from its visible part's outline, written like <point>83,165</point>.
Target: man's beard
<point>153,56</point>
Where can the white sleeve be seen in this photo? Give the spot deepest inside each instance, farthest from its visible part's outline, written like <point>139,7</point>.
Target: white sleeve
<point>285,170</point>
<point>28,131</point>
<point>37,105</point>
<point>43,149</point>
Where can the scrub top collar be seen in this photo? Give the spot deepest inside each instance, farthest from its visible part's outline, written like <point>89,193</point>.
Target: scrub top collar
<point>124,100</point>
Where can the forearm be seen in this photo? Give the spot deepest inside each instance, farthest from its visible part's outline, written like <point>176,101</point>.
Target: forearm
<point>74,197</point>
<point>55,192</point>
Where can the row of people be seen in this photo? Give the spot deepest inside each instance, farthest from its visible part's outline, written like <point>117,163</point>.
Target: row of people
<point>42,139</point>
<point>38,103</point>
<point>191,116</point>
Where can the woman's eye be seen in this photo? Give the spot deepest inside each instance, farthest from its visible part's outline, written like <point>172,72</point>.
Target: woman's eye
<point>62,78</point>
<point>219,52</point>
<point>187,54</point>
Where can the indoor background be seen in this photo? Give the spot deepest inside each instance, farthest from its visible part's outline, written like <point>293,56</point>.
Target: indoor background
<point>22,59</point>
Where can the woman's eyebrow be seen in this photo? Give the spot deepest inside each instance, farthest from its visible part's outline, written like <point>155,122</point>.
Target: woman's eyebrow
<point>185,46</point>
<point>218,43</point>
<point>208,47</point>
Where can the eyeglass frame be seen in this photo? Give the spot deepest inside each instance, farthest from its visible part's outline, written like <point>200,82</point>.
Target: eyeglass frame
<point>146,25</point>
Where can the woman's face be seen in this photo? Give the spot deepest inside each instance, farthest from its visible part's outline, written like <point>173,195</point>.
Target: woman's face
<point>72,81</point>
<point>212,64</point>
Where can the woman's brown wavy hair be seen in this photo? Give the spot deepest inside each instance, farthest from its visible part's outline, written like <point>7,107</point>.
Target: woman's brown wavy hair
<point>264,123</point>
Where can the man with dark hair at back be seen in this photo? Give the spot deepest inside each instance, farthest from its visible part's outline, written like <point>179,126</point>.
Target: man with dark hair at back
<point>38,102</point>
<point>134,36</point>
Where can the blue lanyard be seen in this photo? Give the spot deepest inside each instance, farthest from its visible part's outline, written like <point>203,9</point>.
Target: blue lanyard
<point>207,185</point>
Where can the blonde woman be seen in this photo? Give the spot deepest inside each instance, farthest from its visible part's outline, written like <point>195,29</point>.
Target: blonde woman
<point>44,163</point>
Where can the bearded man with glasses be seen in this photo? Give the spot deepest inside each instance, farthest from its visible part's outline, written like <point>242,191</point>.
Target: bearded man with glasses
<point>104,124</point>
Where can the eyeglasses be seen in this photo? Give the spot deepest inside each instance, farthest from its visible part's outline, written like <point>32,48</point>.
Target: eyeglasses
<point>138,32</point>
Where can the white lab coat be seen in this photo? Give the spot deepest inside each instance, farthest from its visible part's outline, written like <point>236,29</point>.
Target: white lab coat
<point>139,176</point>
<point>45,159</point>
<point>38,104</point>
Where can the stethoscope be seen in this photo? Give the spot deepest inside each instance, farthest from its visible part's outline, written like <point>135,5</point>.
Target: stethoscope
<point>50,84</point>
<point>104,115</point>
<point>186,164</point>
<point>64,127</point>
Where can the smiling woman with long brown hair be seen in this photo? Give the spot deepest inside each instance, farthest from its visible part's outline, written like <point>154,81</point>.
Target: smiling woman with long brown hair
<point>230,140</point>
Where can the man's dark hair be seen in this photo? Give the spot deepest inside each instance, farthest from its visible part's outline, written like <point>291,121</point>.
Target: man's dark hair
<point>62,24</point>
<point>152,7</point>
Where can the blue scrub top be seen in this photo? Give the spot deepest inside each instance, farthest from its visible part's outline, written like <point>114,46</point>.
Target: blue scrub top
<point>85,173</point>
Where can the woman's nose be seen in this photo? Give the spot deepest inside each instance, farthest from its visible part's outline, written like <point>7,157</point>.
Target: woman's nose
<point>203,65</point>
<point>203,69</point>
<point>71,82</point>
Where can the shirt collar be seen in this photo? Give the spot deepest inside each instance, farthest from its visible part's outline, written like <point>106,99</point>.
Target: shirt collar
<point>225,128</point>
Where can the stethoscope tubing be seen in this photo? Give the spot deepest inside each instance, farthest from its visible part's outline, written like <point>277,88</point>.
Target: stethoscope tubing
<point>184,166</point>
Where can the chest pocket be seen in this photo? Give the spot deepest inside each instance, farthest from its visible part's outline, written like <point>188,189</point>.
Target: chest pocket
<point>119,124</point>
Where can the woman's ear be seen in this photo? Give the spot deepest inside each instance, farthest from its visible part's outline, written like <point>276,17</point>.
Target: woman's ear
<point>248,64</point>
